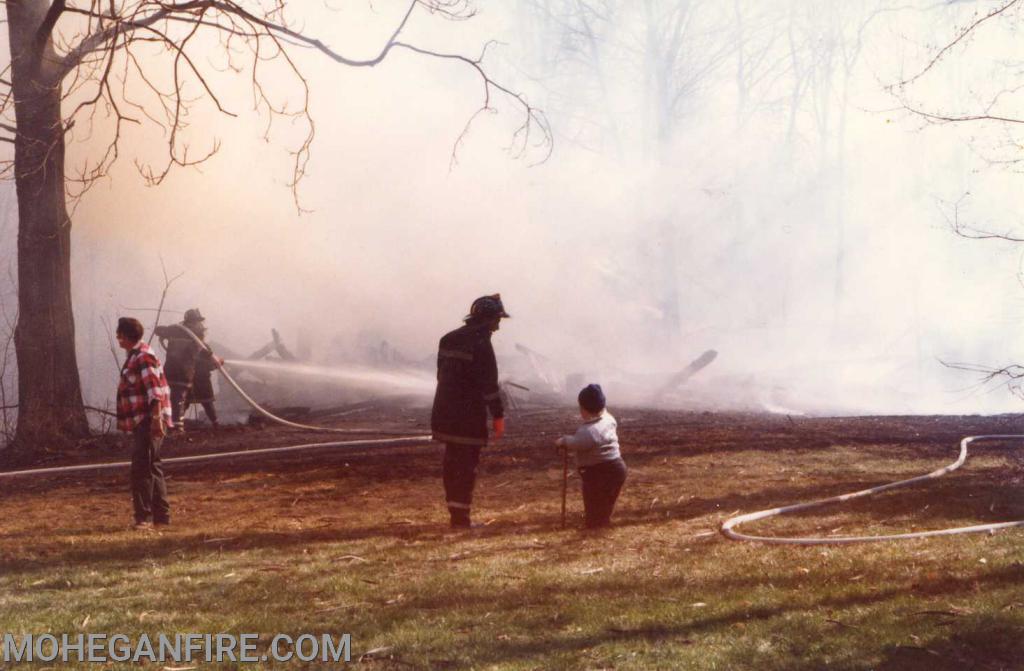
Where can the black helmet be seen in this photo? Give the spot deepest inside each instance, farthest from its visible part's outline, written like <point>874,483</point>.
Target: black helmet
<point>193,316</point>
<point>487,307</point>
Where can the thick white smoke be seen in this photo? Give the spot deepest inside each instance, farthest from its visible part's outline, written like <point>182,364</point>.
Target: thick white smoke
<point>796,221</point>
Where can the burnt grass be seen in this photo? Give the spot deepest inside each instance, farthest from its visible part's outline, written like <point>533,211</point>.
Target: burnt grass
<point>688,472</point>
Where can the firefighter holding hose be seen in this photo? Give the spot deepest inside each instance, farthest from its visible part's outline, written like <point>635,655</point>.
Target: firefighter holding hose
<point>189,366</point>
<point>467,389</point>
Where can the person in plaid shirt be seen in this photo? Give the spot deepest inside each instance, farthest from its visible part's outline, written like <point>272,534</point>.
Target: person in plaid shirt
<point>144,410</point>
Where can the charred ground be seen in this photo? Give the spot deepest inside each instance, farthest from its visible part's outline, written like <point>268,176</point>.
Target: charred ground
<point>331,540</point>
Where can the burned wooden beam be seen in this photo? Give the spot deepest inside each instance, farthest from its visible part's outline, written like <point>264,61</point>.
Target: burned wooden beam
<point>685,374</point>
<point>275,345</point>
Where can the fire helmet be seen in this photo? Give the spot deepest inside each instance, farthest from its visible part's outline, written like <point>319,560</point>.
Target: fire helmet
<point>193,316</point>
<point>487,307</point>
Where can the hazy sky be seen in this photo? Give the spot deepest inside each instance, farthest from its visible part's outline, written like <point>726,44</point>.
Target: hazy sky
<point>751,187</point>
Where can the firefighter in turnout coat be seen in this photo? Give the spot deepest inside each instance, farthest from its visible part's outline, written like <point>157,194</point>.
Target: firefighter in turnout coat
<point>467,388</point>
<point>184,357</point>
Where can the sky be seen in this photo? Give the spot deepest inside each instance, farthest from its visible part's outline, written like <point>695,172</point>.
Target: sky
<point>735,178</point>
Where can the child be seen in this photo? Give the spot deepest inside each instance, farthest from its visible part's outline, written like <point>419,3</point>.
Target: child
<point>597,455</point>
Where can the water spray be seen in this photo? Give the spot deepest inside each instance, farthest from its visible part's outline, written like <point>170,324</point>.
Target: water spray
<point>406,381</point>
<point>727,528</point>
<point>274,418</point>
<point>412,439</point>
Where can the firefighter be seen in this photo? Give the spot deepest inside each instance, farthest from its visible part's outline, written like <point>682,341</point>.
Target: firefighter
<point>184,356</point>
<point>467,388</point>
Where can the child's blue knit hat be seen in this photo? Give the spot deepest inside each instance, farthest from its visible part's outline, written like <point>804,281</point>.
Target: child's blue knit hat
<point>592,398</point>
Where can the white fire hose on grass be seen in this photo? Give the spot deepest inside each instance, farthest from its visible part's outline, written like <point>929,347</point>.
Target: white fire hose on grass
<point>728,527</point>
<point>349,444</point>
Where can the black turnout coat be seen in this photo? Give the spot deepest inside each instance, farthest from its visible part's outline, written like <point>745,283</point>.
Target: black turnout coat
<point>182,354</point>
<point>467,386</point>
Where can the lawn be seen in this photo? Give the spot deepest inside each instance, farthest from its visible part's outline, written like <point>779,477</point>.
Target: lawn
<point>329,542</point>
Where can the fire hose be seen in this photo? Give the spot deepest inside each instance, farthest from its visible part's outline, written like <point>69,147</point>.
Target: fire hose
<point>411,439</point>
<point>727,528</point>
<point>349,444</point>
<point>280,420</point>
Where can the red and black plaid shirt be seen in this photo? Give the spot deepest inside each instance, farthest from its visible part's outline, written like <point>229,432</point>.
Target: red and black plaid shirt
<point>142,382</point>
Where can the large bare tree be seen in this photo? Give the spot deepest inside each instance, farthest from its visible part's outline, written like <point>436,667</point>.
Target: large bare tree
<point>111,64</point>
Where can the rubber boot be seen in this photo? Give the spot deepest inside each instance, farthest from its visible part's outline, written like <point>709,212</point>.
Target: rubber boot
<point>460,518</point>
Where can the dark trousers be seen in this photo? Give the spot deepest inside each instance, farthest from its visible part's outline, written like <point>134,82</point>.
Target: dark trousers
<point>149,490</point>
<point>181,399</point>
<point>179,392</point>
<point>459,472</point>
<point>601,486</point>
<point>208,407</point>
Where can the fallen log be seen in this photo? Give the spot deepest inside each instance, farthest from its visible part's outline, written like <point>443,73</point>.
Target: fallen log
<point>678,379</point>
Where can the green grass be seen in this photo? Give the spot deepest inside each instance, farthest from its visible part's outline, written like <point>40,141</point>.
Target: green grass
<point>361,548</point>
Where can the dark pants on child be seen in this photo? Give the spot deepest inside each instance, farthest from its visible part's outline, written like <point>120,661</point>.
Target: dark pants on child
<point>459,474</point>
<point>601,486</point>
<point>149,490</point>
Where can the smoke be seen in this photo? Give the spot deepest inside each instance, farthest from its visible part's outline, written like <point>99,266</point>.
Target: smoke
<point>791,217</point>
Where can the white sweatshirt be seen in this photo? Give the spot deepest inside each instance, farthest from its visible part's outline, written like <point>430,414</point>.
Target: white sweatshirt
<point>595,441</point>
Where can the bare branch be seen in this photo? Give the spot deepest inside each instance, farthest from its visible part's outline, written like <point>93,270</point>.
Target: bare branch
<point>49,21</point>
<point>180,12</point>
<point>959,38</point>
<point>110,338</point>
<point>4,360</point>
<point>969,231</point>
<point>533,116</point>
<point>942,118</point>
<point>1012,376</point>
<point>138,309</point>
<point>101,411</point>
<point>104,37</point>
<point>116,31</point>
<point>168,281</point>
<point>232,8</point>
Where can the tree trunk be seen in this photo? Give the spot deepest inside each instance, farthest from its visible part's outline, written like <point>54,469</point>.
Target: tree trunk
<point>50,408</point>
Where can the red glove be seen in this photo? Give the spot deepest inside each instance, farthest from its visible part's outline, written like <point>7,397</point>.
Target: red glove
<point>498,423</point>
